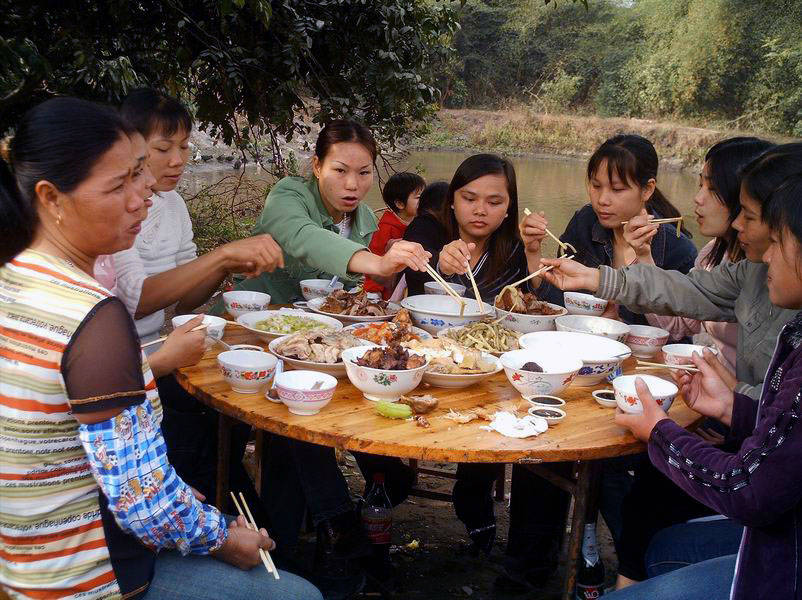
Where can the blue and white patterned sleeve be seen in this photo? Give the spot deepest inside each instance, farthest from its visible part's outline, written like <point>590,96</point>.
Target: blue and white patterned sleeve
<point>128,458</point>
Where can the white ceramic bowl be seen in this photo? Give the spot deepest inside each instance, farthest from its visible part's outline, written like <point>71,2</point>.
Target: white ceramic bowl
<point>334,369</point>
<point>247,371</point>
<point>318,288</point>
<point>249,321</point>
<point>560,370</point>
<point>434,287</point>
<point>601,357</point>
<point>421,333</point>
<point>605,398</point>
<point>645,340</point>
<point>626,397</point>
<point>609,328</point>
<point>240,302</point>
<point>446,380</point>
<point>392,308</point>
<point>584,304</point>
<point>215,326</point>
<point>530,323</point>
<point>435,312</point>
<point>380,384</point>
<point>680,354</point>
<point>295,390</point>
<point>552,414</point>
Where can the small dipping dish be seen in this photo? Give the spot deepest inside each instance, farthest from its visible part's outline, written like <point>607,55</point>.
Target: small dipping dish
<point>246,347</point>
<point>605,398</point>
<point>551,414</point>
<point>545,401</point>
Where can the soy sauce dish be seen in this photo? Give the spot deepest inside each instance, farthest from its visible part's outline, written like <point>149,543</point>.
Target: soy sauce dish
<point>605,398</point>
<point>551,414</point>
<point>544,401</point>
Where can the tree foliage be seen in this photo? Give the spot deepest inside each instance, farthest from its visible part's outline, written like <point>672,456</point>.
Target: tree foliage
<point>703,60</point>
<point>248,67</point>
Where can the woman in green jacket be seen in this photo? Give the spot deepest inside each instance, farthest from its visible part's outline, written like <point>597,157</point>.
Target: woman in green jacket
<point>322,225</point>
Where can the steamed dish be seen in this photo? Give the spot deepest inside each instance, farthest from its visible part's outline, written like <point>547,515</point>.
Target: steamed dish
<point>357,304</point>
<point>285,324</point>
<point>451,358</point>
<point>513,300</point>
<point>318,346</point>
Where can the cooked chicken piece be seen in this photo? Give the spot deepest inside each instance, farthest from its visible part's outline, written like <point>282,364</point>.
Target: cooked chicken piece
<point>420,404</point>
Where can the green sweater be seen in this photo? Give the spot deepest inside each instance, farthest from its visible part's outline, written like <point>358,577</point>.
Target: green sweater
<point>313,248</point>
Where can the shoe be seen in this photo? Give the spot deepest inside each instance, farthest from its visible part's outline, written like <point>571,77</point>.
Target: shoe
<point>337,571</point>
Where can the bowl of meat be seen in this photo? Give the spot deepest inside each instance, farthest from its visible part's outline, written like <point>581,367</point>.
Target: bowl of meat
<point>353,307</point>
<point>316,350</point>
<point>452,365</point>
<point>537,371</point>
<point>318,288</point>
<point>436,312</point>
<point>384,372</point>
<point>523,312</point>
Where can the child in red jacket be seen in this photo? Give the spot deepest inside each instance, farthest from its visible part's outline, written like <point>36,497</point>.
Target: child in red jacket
<point>401,194</point>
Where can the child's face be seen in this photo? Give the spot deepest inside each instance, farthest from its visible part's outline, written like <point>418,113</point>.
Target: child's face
<point>410,209</point>
<point>784,279</point>
<point>167,157</point>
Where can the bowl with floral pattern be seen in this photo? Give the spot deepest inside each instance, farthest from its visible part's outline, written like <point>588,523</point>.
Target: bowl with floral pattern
<point>626,396</point>
<point>645,340</point>
<point>558,370</point>
<point>600,356</point>
<point>240,302</point>
<point>247,371</point>
<point>434,312</point>
<point>305,392</point>
<point>318,288</point>
<point>680,354</point>
<point>380,384</point>
<point>584,304</point>
<point>529,323</point>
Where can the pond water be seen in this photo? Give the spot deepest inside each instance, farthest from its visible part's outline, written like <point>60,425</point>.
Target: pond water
<point>554,184</point>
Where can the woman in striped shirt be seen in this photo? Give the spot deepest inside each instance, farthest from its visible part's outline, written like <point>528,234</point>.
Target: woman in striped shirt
<point>90,506</point>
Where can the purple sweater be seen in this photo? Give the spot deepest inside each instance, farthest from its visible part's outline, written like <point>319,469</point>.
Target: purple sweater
<point>761,485</point>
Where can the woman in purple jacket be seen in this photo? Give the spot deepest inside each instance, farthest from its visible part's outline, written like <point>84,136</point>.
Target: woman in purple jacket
<point>761,485</point>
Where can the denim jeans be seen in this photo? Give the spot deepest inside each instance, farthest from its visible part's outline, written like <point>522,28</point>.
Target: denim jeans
<point>195,577</point>
<point>691,543</point>
<point>708,580</point>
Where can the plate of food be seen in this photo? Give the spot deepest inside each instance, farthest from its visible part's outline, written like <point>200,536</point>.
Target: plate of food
<point>488,335</point>
<point>400,329</point>
<point>270,324</point>
<point>318,350</point>
<point>452,365</point>
<point>523,312</point>
<point>353,307</point>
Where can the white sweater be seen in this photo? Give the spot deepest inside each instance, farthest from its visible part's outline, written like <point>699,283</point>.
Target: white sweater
<point>164,243</point>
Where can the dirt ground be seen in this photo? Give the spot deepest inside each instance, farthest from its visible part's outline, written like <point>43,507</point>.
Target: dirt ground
<point>440,567</point>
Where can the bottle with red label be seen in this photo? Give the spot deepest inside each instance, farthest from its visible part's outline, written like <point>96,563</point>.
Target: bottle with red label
<point>377,520</point>
<point>590,578</point>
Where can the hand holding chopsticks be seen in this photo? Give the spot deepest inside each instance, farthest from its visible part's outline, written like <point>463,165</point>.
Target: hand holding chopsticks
<point>565,247</point>
<point>536,273</point>
<point>267,561</point>
<point>449,290</point>
<point>161,339</point>
<point>676,220</point>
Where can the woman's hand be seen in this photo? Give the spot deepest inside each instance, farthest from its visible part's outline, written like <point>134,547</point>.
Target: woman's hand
<point>533,230</point>
<point>642,425</point>
<point>241,549</point>
<point>455,258</point>
<point>182,348</point>
<point>638,233</point>
<point>401,255</point>
<point>569,275</point>
<point>706,392</point>
<point>252,256</point>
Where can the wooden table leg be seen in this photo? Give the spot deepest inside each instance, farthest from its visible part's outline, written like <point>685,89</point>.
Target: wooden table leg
<point>585,508</point>
<point>224,424</point>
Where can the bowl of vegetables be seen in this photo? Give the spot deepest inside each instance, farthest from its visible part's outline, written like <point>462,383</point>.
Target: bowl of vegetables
<point>270,324</point>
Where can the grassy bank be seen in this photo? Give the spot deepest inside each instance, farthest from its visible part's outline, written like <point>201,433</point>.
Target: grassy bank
<point>524,132</point>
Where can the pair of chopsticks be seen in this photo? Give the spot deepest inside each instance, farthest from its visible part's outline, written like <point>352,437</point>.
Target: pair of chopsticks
<point>677,220</point>
<point>161,339</point>
<point>535,274</point>
<point>450,290</point>
<point>646,365</point>
<point>565,247</point>
<point>267,561</point>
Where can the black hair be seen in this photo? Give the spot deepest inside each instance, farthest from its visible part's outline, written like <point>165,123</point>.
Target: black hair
<point>399,187</point>
<point>785,210</point>
<point>725,160</point>
<point>59,141</point>
<point>634,160</point>
<point>764,174</point>
<point>343,130</point>
<point>503,240</point>
<point>432,198</point>
<point>150,110</point>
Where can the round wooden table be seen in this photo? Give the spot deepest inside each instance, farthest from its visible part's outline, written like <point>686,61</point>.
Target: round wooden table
<point>587,434</point>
